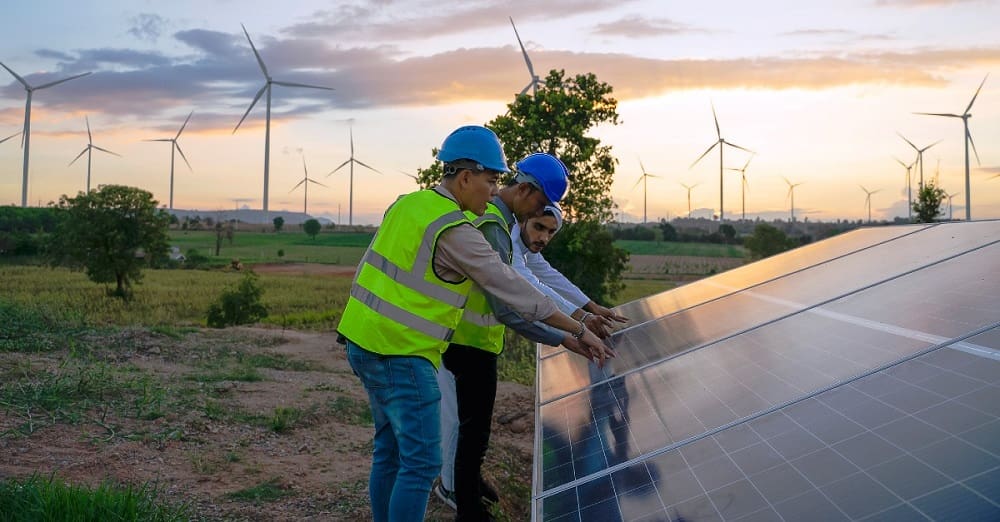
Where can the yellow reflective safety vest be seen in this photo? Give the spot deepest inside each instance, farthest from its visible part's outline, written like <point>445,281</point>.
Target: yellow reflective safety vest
<point>398,305</point>
<point>479,327</point>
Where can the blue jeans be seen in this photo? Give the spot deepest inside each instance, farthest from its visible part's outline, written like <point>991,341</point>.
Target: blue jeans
<point>405,402</point>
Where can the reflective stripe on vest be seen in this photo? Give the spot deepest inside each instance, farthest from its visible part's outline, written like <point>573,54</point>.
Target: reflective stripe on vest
<point>479,327</point>
<point>398,305</point>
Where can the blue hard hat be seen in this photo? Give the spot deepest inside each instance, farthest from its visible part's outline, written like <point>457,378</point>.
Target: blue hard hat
<point>476,143</point>
<point>545,172</point>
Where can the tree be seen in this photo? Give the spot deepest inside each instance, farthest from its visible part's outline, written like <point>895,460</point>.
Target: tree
<point>110,232</point>
<point>928,203</point>
<point>312,227</point>
<point>240,305</point>
<point>669,232</point>
<point>728,231</point>
<point>766,241</point>
<point>278,223</point>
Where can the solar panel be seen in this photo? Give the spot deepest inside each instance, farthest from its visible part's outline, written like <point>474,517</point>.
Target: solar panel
<point>882,402</point>
<point>747,307</point>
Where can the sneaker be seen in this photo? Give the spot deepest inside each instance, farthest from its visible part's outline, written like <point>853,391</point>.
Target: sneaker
<point>446,496</point>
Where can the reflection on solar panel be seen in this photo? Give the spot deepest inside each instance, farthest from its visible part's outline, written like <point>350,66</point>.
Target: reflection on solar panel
<point>857,377</point>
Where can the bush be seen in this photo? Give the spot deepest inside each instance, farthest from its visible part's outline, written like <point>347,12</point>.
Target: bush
<point>195,259</point>
<point>238,306</point>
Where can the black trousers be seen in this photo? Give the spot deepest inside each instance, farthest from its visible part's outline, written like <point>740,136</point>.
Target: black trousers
<point>475,373</point>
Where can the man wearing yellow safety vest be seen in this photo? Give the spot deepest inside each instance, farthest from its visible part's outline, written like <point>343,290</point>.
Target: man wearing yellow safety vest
<point>406,301</point>
<point>465,436</point>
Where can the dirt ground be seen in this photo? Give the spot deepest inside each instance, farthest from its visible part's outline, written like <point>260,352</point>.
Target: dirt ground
<point>318,466</point>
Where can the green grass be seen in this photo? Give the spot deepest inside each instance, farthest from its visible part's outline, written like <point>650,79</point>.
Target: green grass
<point>38,499</point>
<point>256,247</point>
<point>639,288</point>
<point>351,411</point>
<point>268,491</point>
<point>168,299</point>
<point>672,248</point>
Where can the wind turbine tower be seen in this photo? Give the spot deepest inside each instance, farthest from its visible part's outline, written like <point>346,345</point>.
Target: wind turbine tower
<point>968,141</point>
<point>949,204</point>
<point>868,200</point>
<point>643,179</point>
<point>533,84</point>
<point>26,133</point>
<point>175,147</point>
<point>350,191</point>
<point>743,186</point>
<point>306,181</point>
<point>909,186</point>
<point>920,156</point>
<point>268,82</point>
<point>689,195</point>
<point>791,194</point>
<point>89,149</point>
<point>721,143</point>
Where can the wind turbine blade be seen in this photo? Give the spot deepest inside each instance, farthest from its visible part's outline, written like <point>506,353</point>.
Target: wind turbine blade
<point>876,191</point>
<point>260,61</point>
<point>9,137</point>
<point>967,109</point>
<point>297,185</point>
<point>900,162</point>
<point>637,182</point>
<point>304,169</point>
<point>16,76</point>
<point>292,84</point>
<point>359,162</point>
<point>526,87</point>
<point>106,150</point>
<point>786,181</point>
<point>747,164</point>
<point>737,170</point>
<point>527,61</point>
<point>85,149</point>
<point>718,132</point>
<point>348,160</point>
<point>182,156</point>
<point>931,145</point>
<point>908,141</point>
<point>969,135</point>
<point>939,114</point>
<point>184,125</point>
<point>57,82</point>
<point>90,138</point>
<point>318,183</point>
<point>704,154</point>
<point>738,147</point>
<point>863,188</point>
<point>160,139</point>
<point>254,102</point>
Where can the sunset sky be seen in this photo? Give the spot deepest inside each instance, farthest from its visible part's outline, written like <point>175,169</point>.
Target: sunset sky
<point>818,93</point>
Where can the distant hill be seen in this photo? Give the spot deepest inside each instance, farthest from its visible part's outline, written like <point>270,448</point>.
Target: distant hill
<point>248,215</point>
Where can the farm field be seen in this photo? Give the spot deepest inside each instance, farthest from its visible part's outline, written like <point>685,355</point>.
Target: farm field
<point>264,423</point>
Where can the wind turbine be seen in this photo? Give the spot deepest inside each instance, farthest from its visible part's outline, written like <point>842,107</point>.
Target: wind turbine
<point>721,143</point>
<point>26,133</point>
<point>920,156</point>
<point>350,191</point>
<point>411,176</point>
<point>949,203</point>
<point>643,179</point>
<point>306,181</point>
<point>533,84</point>
<point>268,82</point>
<point>689,195</point>
<point>743,186</point>
<point>909,193</point>
<point>868,200</point>
<point>88,150</point>
<point>968,140</point>
<point>174,146</point>
<point>791,194</point>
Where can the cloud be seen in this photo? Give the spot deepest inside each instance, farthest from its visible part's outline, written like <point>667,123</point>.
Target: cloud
<point>635,26</point>
<point>393,21</point>
<point>146,26</point>
<point>922,3</point>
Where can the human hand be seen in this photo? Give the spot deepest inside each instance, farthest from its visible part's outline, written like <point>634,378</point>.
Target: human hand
<point>597,324</point>
<point>591,347</point>
<point>606,313</point>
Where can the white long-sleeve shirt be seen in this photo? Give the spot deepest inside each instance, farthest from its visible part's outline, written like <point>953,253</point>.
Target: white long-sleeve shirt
<point>567,296</point>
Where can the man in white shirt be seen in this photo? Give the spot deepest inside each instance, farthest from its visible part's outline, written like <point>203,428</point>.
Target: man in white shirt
<point>527,241</point>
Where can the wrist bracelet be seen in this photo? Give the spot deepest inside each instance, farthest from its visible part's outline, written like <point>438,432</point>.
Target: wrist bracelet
<point>583,328</point>
<point>586,315</point>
